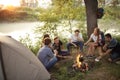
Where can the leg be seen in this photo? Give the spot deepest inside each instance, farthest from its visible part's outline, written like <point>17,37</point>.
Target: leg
<point>51,62</point>
<point>100,53</point>
<point>114,56</point>
<point>64,53</point>
<point>91,48</point>
<point>68,47</point>
<point>80,44</point>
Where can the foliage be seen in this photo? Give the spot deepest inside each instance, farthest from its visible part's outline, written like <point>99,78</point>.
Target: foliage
<point>112,13</point>
<point>63,17</point>
<point>27,41</point>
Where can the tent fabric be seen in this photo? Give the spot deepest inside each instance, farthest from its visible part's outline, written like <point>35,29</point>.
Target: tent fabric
<point>20,63</point>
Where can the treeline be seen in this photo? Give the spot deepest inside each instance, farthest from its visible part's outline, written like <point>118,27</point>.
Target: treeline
<point>17,14</point>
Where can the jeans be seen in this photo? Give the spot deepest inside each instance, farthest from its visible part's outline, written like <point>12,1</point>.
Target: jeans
<point>64,53</point>
<point>78,43</point>
<point>51,62</point>
<point>114,56</point>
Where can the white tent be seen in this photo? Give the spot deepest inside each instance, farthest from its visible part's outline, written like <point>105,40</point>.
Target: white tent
<point>18,63</point>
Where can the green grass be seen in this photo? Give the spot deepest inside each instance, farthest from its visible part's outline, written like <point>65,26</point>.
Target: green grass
<point>102,70</point>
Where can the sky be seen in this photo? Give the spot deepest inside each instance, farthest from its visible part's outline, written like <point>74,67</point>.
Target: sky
<point>42,3</point>
<point>10,2</point>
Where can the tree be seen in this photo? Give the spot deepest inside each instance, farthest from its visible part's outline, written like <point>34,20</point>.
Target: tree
<point>91,10</point>
<point>69,10</point>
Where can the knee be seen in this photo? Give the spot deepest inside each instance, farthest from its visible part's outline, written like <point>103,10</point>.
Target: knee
<point>55,59</point>
<point>68,44</point>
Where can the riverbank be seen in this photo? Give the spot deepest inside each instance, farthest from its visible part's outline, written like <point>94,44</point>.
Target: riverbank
<point>18,14</point>
<point>17,29</point>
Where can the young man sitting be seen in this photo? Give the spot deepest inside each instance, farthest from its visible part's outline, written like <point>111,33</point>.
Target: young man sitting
<point>111,47</point>
<point>45,54</point>
<point>76,40</point>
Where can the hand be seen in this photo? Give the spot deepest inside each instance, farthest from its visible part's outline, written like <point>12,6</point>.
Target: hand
<point>55,52</point>
<point>85,44</point>
<point>75,45</point>
<point>104,47</point>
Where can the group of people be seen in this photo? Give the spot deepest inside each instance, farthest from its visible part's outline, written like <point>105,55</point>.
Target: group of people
<point>50,52</point>
<point>105,45</point>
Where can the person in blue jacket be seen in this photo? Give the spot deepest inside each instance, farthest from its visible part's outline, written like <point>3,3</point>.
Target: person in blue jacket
<point>46,55</point>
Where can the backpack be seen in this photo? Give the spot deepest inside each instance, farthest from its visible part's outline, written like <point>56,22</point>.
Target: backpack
<point>100,13</point>
<point>103,38</point>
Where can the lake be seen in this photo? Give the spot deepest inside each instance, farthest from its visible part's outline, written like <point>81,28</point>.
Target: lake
<point>18,28</point>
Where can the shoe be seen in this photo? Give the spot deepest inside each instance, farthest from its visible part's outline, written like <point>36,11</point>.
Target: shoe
<point>117,62</point>
<point>90,56</point>
<point>97,60</point>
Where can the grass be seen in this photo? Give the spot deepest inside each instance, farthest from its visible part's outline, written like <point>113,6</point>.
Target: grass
<point>102,70</point>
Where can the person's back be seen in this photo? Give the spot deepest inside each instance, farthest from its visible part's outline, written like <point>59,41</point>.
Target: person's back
<point>117,48</point>
<point>45,54</point>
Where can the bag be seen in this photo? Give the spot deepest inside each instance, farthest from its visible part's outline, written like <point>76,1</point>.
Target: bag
<point>100,13</point>
<point>103,38</point>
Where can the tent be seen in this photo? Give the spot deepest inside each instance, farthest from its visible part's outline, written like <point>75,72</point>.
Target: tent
<point>18,63</point>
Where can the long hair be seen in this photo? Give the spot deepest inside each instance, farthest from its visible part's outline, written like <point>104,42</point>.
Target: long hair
<point>98,33</point>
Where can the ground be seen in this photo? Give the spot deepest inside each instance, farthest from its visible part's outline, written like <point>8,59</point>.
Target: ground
<point>102,70</point>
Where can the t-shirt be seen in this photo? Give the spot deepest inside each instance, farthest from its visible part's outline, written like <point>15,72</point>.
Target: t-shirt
<point>116,48</point>
<point>45,54</point>
<point>57,46</point>
<point>74,38</point>
<point>114,45</point>
<point>94,37</point>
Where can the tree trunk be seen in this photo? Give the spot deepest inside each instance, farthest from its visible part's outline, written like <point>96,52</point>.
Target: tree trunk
<point>91,10</point>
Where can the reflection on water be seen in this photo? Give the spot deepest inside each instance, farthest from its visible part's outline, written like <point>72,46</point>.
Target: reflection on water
<point>22,28</point>
<point>18,29</point>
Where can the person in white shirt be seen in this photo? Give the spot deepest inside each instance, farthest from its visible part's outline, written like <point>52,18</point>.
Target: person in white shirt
<point>76,40</point>
<point>95,41</point>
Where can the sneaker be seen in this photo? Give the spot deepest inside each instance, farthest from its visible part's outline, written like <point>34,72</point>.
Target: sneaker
<point>90,56</point>
<point>97,60</point>
<point>117,62</point>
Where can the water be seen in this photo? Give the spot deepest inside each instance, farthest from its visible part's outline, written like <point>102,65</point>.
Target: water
<point>22,28</point>
<point>18,28</point>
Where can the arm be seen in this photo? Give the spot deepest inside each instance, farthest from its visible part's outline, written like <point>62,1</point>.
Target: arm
<point>108,51</point>
<point>80,38</point>
<point>88,41</point>
<point>105,47</point>
<point>51,54</point>
<point>70,41</point>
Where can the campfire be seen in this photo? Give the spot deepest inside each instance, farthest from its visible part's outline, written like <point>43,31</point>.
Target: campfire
<point>80,64</point>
